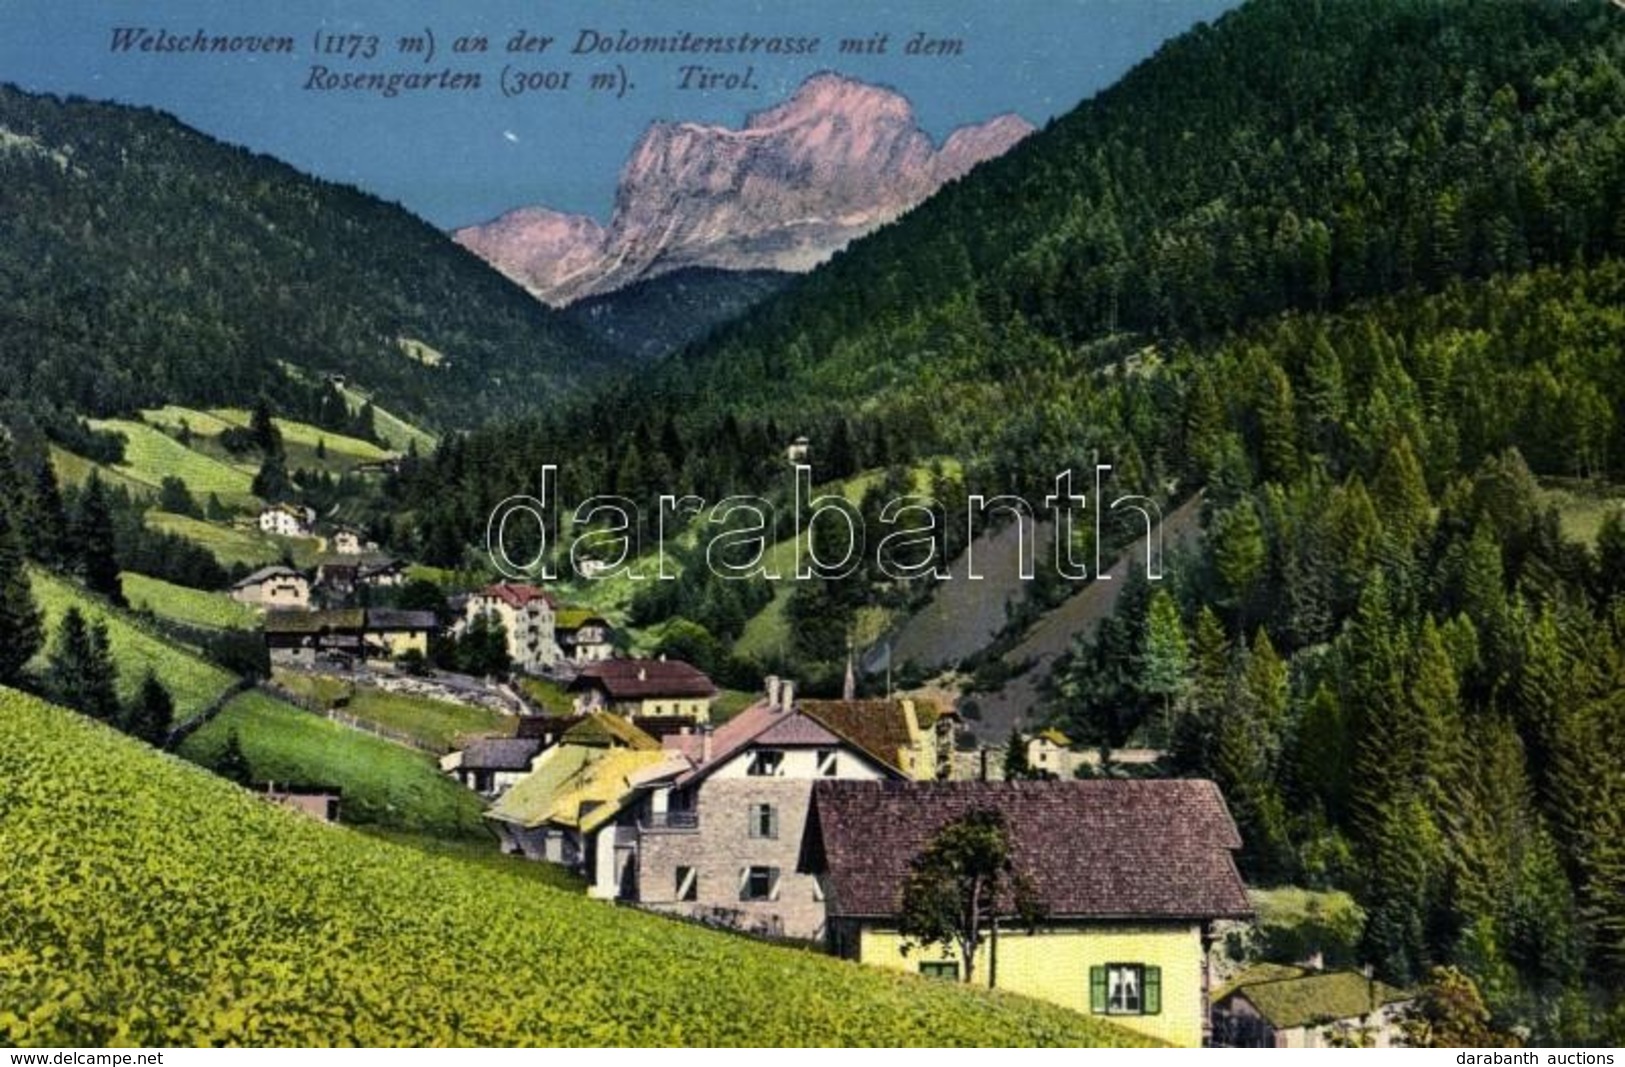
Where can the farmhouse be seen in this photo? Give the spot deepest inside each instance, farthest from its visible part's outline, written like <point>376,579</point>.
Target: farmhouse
<point>287,520</point>
<point>490,766</point>
<point>644,687</point>
<point>347,541</point>
<point>387,574</point>
<point>303,638</point>
<point>1276,1006</point>
<point>273,587</point>
<point>1129,875</point>
<point>583,637</point>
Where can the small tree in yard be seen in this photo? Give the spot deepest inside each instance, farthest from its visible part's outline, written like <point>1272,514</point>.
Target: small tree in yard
<point>962,884</point>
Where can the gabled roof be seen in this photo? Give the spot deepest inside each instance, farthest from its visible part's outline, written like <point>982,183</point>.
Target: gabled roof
<point>764,725</point>
<point>880,728</point>
<point>576,786</point>
<point>603,730</point>
<point>642,679</point>
<point>516,596</point>
<point>265,574</point>
<point>500,754</point>
<point>351,620</point>
<point>1101,849</point>
<point>571,618</point>
<point>1310,998</point>
<point>1054,737</point>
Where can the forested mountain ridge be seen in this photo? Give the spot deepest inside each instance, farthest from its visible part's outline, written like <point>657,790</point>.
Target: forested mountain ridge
<point>144,263</point>
<point>1290,156</point>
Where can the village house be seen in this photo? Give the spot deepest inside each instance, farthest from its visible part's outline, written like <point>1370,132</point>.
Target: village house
<point>273,587</point>
<point>583,636</point>
<point>638,688</point>
<point>335,582</point>
<point>719,839</point>
<point>566,811</point>
<point>347,541</point>
<point>386,574</point>
<point>392,632</point>
<point>490,766</point>
<point>304,638</point>
<point>528,618</point>
<point>287,520</point>
<point>1278,1006</point>
<point>1129,875</point>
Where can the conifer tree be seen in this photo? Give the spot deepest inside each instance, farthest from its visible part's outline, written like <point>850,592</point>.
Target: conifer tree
<point>95,542</point>
<point>79,672</point>
<point>21,626</point>
<point>152,714</point>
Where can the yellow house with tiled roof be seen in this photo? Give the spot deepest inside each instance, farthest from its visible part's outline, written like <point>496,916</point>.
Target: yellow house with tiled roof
<point>1129,877</point>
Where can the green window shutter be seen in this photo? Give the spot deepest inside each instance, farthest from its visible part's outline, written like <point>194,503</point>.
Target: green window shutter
<point>1153,991</point>
<point>1097,990</point>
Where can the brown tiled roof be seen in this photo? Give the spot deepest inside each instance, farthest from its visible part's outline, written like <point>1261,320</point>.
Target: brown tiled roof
<point>638,679</point>
<point>879,727</point>
<point>515,596</point>
<point>1100,849</point>
<point>760,724</point>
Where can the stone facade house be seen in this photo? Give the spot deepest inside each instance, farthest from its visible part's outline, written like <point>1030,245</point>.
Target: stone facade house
<point>1130,876</point>
<point>719,841</point>
<point>347,542</point>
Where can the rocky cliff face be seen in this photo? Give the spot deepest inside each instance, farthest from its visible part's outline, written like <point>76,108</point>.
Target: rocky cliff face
<point>784,193</point>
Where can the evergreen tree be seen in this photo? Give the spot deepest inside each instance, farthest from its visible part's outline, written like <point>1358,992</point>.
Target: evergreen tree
<point>151,716</point>
<point>79,673</point>
<point>232,763</point>
<point>95,542</point>
<point>1165,658</point>
<point>1016,765</point>
<point>21,625</point>
<point>263,429</point>
<point>271,482</point>
<point>47,537</point>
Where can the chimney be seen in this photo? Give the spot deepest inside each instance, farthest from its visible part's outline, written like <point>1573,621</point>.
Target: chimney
<point>705,744</point>
<point>643,674</point>
<point>789,696</point>
<point>773,691</point>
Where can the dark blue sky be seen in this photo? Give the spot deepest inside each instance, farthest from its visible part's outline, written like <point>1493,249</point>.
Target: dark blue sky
<point>457,158</point>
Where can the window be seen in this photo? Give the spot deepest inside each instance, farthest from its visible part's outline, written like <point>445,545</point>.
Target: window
<point>765,763</point>
<point>1125,989</point>
<point>764,821</point>
<point>945,970</point>
<point>826,763</point>
<point>688,884</point>
<point>759,883</point>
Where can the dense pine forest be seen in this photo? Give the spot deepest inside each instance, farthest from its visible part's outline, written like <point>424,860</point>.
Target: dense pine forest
<point>142,263</point>
<point>1365,297</point>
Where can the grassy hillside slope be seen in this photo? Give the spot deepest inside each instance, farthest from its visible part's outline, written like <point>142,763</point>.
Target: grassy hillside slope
<point>166,906</point>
